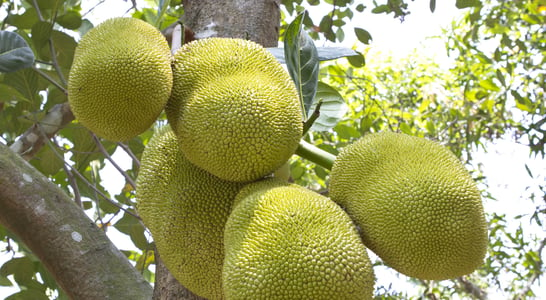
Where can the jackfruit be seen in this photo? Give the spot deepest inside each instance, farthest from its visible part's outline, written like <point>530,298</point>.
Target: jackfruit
<point>234,109</point>
<point>283,241</point>
<point>416,205</point>
<point>185,209</point>
<point>121,78</point>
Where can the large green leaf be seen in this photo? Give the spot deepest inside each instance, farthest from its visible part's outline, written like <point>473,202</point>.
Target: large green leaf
<point>29,84</point>
<point>70,20</point>
<point>8,93</point>
<point>324,53</point>
<point>15,54</point>
<point>132,227</point>
<point>302,61</point>
<point>332,107</point>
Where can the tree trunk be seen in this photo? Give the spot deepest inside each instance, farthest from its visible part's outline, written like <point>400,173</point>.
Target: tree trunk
<point>256,20</point>
<point>79,255</point>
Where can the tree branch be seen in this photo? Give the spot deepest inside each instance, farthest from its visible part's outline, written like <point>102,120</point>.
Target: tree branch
<point>76,252</point>
<point>36,136</point>
<point>472,289</point>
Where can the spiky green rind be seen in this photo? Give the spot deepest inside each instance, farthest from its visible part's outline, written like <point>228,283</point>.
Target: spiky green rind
<point>121,78</point>
<point>234,108</point>
<point>185,209</point>
<point>283,241</point>
<point>417,206</point>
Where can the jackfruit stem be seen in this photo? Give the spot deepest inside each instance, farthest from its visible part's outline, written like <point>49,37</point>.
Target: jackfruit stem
<point>314,154</point>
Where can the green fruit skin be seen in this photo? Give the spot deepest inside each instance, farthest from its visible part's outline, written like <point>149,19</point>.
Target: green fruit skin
<point>416,205</point>
<point>185,209</point>
<point>121,78</point>
<point>283,241</point>
<point>234,108</point>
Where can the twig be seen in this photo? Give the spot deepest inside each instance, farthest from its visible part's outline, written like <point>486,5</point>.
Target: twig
<point>314,116</point>
<point>472,289</point>
<point>97,200</point>
<point>51,45</point>
<point>48,78</point>
<point>71,180</point>
<point>93,187</point>
<point>92,8</point>
<point>130,153</point>
<point>107,155</point>
<point>28,144</point>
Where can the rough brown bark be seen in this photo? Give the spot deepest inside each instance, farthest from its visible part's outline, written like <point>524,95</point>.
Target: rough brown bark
<point>36,136</point>
<point>167,287</point>
<point>255,20</point>
<point>76,252</point>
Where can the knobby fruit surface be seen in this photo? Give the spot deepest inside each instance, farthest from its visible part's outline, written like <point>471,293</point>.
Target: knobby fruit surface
<point>121,78</point>
<point>416,205</point>
<point>185,209</point>
<point>283,241</point>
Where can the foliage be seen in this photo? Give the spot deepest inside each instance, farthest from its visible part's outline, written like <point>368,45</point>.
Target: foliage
<point>495,88</point>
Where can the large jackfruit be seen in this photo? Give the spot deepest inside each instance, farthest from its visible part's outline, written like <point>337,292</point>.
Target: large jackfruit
<point>283,241</point>
<point>417,206</point>
<point>234,108</point>
<point>121,78</point>
<point>185,209</point>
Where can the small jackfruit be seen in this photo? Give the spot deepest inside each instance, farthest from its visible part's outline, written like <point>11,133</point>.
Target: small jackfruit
<point>234,108</point>
<point>283,241</point>
<point>417,206</point>
<point>185,209</point>
<point>121,78</point>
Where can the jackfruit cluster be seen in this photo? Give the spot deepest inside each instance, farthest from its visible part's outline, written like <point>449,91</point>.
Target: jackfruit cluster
<point>120,79</point>
<point>185,208</point>
<point>234,109</point>
<point>283,241</point>
<point>226,230</point>
<point>416,205</point>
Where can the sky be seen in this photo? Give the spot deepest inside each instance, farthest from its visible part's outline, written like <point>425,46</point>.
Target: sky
<point>504,161</point>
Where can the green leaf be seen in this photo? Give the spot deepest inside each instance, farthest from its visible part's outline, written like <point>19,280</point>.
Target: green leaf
<point>86,26</point>
<point>22,269</point>
<point>132,227</point>
<point>405,128</point>
<point>65,46</point>
<point>24,21</point>
<point>28,83</point>
<point>488,84</point>
<point>346,131</point>
<point>363,35</point>
<point>381,9</point>
<point>357,60</point>
<point>28,295</point>
<point>332,109</point>
<point>71,20</point>
<point>15,54</point>
<point>161,10</point>
<point>4,281</point>
<point>302,61</point>
<point>324,53</point>
<point>47,161</point>
<point>41,32</point>
<point>467,3</point>
<point>10,94</point>
<point>360,7</point>
<point>529,171</point>
<point>432,5</point>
